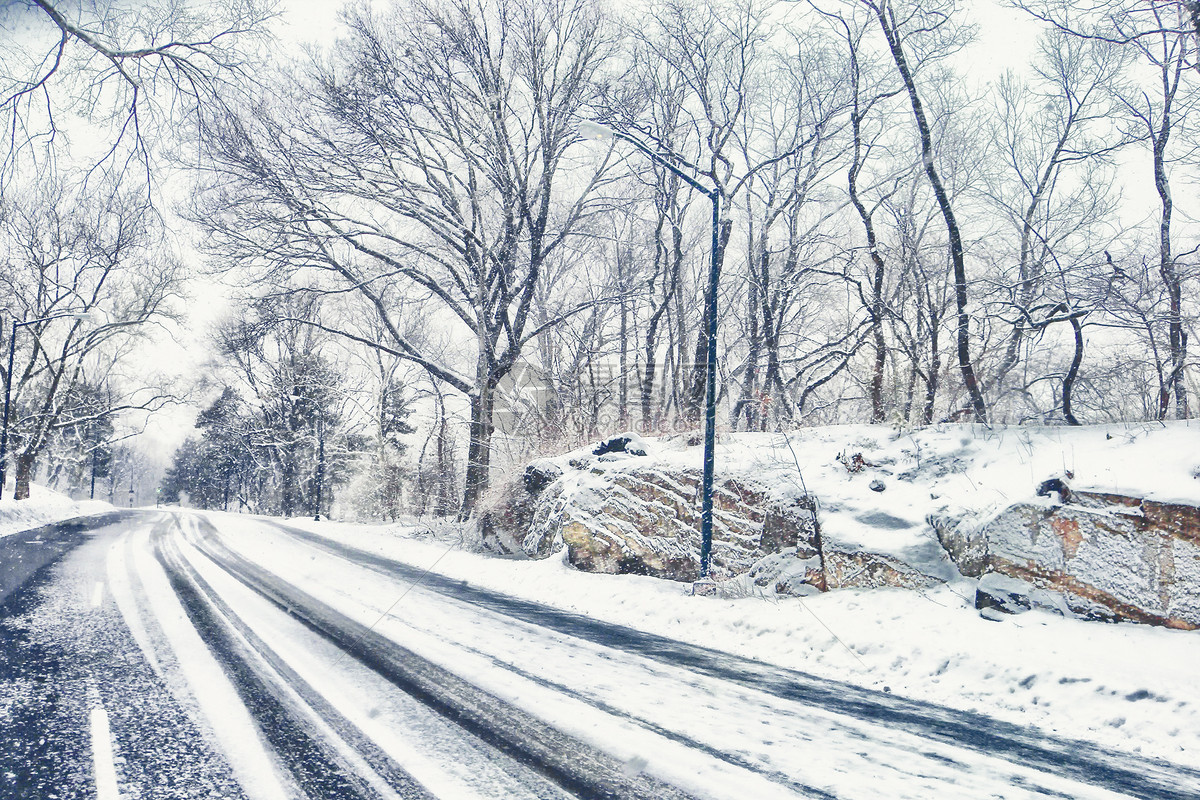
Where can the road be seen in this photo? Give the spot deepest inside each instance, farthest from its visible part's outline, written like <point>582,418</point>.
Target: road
<point>170,655</point>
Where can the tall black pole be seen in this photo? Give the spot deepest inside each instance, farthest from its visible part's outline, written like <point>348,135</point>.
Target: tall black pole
<point>710,396</point>
<point>93,494</point>
<point>596,130</point>
<point>8,378</point>
<point>320,461</point>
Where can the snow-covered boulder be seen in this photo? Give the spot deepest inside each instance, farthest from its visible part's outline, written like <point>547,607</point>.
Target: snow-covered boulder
<point>631,505</point>
<point>629,517</point>
<point>1107,555</point>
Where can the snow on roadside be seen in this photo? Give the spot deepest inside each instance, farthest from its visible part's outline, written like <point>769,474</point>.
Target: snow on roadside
<point>878,487</point>
<point>1127,687</point>
<point>41,508</point>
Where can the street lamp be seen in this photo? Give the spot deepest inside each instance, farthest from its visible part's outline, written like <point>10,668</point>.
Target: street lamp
<point>82,316</point>
<point>297,398</point>
<point>320,460</point>
<point>589,129</point>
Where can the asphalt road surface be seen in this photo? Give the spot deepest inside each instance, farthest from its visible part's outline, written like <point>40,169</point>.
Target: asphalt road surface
<point>158,655</point>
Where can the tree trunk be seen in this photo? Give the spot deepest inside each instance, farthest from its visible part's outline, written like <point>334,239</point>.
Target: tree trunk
<point>443,505</point>
<point>935,366</point>
<point>480,448</point>
<point>892,33</point>
<point>25,461</point>
<point>748,403</point>
<point>1170,278</point>
<point>287,485</point>
<point>1069,381</point>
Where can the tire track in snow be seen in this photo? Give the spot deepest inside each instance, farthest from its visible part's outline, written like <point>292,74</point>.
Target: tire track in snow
<point>237,735</point>
<point>291,691</point>
<point>732,759</point>
<point>316,768</point>
<point>582,770</point>
<point>1138,776</point>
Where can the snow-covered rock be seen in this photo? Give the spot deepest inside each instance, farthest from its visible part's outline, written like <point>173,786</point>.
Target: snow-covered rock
<point>802,512</point>
<point>634,508</point>
<point>624,516</point>
<point>1107,555</point>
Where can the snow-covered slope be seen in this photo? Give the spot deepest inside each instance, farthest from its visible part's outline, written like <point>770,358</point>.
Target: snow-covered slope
<point>43,506</point>
<point>878,487</point>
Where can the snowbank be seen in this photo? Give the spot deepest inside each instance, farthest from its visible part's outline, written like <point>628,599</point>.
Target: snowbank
<point>43,507</point>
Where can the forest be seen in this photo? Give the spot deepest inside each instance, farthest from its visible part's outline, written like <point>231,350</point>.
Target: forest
<point>461,233</point>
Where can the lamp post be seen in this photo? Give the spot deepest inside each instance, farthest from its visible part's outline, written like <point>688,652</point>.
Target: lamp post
<point>320,461</point>
<point>81,316</point>
<point>594,130</point>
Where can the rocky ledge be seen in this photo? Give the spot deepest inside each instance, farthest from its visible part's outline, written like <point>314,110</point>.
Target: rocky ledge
<point>865,519</point>
<point>1101,555</point>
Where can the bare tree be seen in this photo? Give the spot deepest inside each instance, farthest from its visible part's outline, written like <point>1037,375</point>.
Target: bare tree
<point>67,252</point>
<point>1163,36</point>
<point>1054,137</point>
<point>795,145</point>
<point>938,34</point>
<point>113,62</point>
<point>423,164</point>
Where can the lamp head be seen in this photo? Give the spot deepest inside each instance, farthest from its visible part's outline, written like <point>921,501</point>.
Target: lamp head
<point>589,129</point>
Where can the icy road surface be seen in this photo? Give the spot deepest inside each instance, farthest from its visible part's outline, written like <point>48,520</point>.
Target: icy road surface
<point>163,655</point>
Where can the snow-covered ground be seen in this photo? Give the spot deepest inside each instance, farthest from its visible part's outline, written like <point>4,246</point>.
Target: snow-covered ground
<point>879,487</point>
<point>1128,687</point>
<point>42,507</point>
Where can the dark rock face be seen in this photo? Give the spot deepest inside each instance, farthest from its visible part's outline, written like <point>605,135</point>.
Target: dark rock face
<point>502,524</point>
<point>967,548</point>
<point>1055,486</point>
<point>1004,594</point>
<point>541,474</point>
<point>629,443</point>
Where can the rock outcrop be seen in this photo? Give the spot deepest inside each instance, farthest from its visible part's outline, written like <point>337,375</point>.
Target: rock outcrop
<point>616,510</point>
<point>645,520</point>
<point>1107,556</point>
<point>630,505</point>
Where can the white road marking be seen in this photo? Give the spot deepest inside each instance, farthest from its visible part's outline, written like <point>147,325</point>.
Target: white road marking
<point>98,594</point>
<point>102,756</point>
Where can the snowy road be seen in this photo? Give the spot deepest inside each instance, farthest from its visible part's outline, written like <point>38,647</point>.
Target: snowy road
<point>171,655</point>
